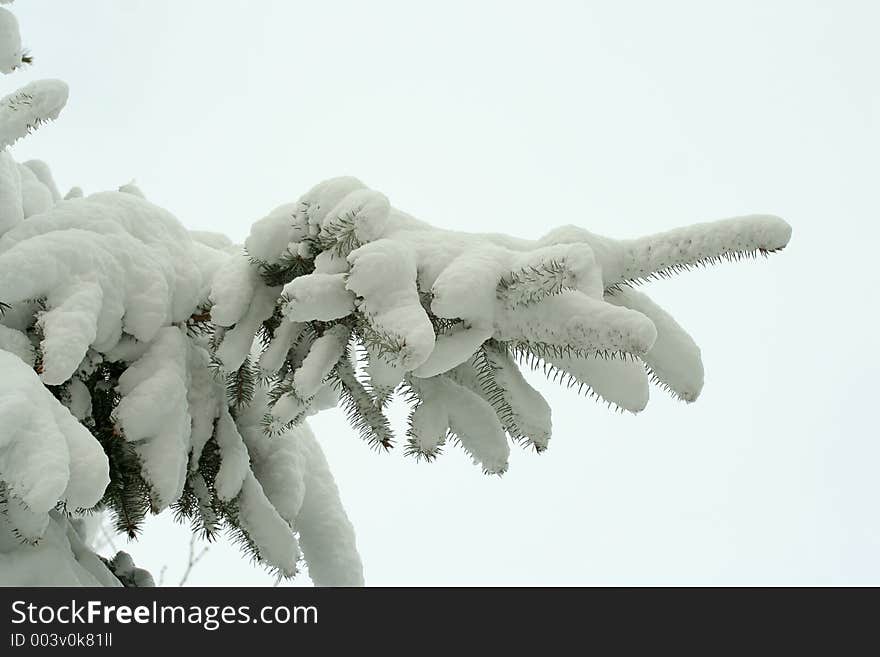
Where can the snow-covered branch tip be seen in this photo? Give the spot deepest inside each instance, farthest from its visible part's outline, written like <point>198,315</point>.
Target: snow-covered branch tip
<point>25,110</point>
<point>661,255</point>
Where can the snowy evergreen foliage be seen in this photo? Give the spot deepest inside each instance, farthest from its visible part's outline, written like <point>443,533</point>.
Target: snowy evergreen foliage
<point>371,301</point>
<point>144,367</point>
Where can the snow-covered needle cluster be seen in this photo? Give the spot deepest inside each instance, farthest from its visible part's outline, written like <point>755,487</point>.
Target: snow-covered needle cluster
<point>146,367</point>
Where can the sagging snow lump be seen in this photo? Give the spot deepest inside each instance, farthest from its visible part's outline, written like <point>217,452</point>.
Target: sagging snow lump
<point>154,414</point>
<point>106,264</point>
<point>46,455</point>
<point>26,109</point>
<point>295,478</point>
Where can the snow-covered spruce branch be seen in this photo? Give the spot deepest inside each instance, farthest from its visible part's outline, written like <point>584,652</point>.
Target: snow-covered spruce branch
<point>25,110</point>
<point>444,316</point>
<point>109,303</point>
<point>146,367</point>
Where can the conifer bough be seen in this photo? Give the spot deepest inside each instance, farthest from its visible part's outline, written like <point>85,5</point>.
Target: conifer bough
<point>112,310</point>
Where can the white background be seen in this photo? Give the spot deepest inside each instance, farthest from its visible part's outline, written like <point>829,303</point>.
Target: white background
<point>623,117</point>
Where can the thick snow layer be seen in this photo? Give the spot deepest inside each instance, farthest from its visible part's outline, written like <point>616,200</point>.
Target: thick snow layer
<point>232,291</point>
<point>326,535</point>
<point>69,328</point>
<point>324,197</point>
<point>273,357</point>
<point>237,341</point>
<point>209,260</point>
<point>294,477</point>
<point>573,319</point>
<point>128,350</point>
<point>472,419</point>
<point>270,235</point>
<point>530,412</point>
<point>383,276</point>
<point>88,463</point>
<point>317,296</point>
<point>46,455</point>
<point>270,532</point>
<point>680,248</point>
<point>25,110</point>
<point>158,380</point>
<point>452,348</point>
<point>279,464</point>
<point>109,263</point>
<point>323,355</point>
<point>700,242</point>
<point>674,359</point>
<point>330,262</point>
<point>620,381</point>
<point>364,209</point>
<point>234,461</point>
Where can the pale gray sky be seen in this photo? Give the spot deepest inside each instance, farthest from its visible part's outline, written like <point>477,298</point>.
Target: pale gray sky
<point>623,117</point>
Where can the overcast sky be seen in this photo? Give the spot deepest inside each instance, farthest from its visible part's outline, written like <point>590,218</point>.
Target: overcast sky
<point>623,117</point>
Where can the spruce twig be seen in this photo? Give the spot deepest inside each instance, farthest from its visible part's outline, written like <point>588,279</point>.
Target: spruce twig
<point>363,414</point>
<point>534,283</point>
